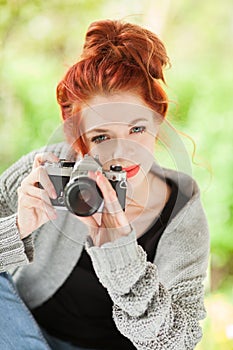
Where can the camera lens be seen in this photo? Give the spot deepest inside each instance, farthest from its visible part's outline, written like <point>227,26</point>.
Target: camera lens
<point>83,197</point>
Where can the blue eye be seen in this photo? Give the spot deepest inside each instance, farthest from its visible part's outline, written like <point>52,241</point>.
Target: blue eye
<point>99,138</point>
<point>137,129</point>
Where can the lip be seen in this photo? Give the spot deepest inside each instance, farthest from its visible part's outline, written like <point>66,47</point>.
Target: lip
<point>131,170</point>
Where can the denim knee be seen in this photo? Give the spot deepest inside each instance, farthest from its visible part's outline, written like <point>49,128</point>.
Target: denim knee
<point>19,329</point>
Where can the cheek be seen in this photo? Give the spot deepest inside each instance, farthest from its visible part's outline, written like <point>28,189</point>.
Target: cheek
<point>150,146</point>
<point>132,151</point>
<point>146,152</point>
<point>147,143</point>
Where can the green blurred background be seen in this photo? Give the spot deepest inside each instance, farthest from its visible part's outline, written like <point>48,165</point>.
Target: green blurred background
<point>40,39</point>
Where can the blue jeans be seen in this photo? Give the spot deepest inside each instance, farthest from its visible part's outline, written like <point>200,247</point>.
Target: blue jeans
<point>19,329</point>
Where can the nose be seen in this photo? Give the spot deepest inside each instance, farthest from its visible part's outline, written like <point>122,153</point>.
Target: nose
<point>122,148</point>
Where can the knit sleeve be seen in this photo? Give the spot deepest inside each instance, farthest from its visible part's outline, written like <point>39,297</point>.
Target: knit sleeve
<point>145,311</point>
<point>14,252</point>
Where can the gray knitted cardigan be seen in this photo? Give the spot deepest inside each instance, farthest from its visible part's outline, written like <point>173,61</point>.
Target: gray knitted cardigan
<point>157,306</point>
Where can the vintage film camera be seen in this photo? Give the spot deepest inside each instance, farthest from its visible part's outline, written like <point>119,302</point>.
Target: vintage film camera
<point>77,192</point>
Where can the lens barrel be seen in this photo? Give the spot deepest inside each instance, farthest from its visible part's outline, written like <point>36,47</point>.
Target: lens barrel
<point>82,196</point>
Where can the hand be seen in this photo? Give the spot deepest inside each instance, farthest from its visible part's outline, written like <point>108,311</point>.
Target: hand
<point>34,206</point>
<point>112,223</point>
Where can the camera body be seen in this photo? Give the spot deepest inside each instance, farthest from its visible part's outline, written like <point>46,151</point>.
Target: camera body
<point>79,193</point>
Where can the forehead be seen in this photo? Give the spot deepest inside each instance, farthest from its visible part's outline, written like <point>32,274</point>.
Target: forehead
<point>115,113</point>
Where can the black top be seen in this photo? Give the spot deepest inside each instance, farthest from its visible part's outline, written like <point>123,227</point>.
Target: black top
<point>81,310</point>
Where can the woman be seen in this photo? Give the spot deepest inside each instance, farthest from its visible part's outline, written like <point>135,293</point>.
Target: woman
<point>138,284</point>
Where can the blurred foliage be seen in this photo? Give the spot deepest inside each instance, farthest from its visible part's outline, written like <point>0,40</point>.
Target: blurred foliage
<point>40,39</point>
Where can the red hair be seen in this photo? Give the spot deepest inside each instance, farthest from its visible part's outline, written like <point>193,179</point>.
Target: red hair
<point>116,57</point>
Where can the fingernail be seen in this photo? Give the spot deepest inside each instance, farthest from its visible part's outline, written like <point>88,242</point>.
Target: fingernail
<point>54,194</point>
<point>98,173</point>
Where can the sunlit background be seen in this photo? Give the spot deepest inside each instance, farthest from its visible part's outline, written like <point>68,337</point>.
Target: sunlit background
<point>40,39</point>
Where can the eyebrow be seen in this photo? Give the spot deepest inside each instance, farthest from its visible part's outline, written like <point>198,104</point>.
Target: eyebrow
<point>133,122</point>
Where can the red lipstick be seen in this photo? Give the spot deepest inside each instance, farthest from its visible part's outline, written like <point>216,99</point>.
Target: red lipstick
<point>131,170</point>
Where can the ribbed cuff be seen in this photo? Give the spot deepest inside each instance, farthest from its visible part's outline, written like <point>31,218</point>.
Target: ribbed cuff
<point>12,248</point>
<point>118,264</point>
<point>29,247</point>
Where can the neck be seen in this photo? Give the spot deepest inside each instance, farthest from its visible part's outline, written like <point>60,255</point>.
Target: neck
<point>139,195</point>
<point>152,193</point>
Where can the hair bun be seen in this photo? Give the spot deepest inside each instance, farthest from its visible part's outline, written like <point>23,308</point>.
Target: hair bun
<point>100,38</point>
<point>117,57</point>
<point>115,40</point>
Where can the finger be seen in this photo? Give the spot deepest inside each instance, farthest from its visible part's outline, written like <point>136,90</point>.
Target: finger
<point>106,188</point>
<point>111,201</point>
<point>41,158</point>
<point>39,175</point>
<point>35,203</point>
<point>98,218</point>
<point>35,192</point>
<point>116,220</point>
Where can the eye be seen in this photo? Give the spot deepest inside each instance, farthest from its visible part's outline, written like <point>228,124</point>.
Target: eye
<point>137,129</point>
<point>99,138</point>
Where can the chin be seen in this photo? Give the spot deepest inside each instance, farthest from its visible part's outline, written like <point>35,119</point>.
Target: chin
<point>137,180</point>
